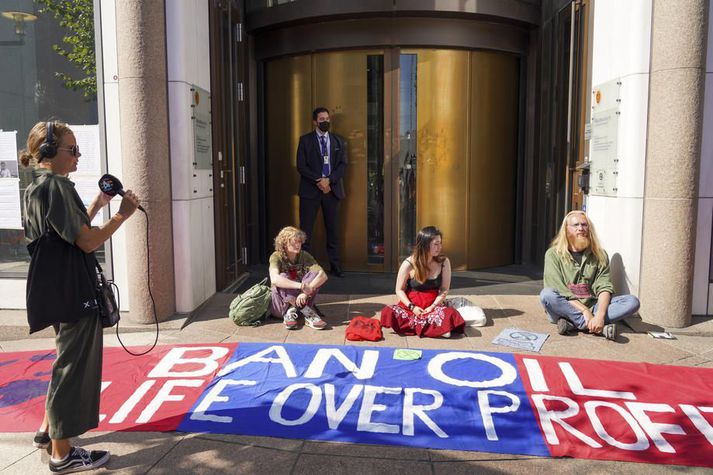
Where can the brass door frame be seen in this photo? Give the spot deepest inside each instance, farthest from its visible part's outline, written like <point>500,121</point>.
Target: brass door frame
<point>391,32</point>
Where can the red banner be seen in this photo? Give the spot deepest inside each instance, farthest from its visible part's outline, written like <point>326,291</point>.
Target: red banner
<point>610,410</point>
<point>148,393</point>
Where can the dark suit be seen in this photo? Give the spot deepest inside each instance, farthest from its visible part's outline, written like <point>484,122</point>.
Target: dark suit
<point>309,164</point>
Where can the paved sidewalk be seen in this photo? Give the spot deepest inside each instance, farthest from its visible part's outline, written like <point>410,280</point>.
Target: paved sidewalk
<point>508,301</point>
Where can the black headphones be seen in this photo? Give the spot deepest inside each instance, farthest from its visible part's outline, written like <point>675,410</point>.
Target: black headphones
<point>48,149</point>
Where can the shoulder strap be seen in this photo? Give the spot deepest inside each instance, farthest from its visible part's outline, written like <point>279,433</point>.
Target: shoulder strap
<point>46,205</point>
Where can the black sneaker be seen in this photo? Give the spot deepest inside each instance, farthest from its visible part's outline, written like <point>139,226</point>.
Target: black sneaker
<point>564,326</point>
<point>336,271</point>
<point>80,460</point>
<point>41,440</point>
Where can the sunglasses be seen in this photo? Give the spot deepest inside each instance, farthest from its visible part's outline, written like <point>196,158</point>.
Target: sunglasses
<point>74,150</point>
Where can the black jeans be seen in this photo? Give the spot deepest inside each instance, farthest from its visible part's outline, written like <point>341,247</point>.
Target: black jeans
<point>330,211</point>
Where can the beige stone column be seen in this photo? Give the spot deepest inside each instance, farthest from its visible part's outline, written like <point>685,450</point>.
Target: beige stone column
<point>673,148</point>
<point>143,112</point>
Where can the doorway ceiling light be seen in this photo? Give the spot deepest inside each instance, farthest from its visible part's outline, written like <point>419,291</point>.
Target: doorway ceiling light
<point>20,18</point>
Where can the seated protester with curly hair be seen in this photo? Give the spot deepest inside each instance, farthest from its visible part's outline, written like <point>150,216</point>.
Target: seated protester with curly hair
<point>421,287</point>
<point>296,278</point>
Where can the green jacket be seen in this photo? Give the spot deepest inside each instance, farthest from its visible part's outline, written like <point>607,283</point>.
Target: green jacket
<point>304,263</point>
<point>54,197</point>
<point>574,281</point>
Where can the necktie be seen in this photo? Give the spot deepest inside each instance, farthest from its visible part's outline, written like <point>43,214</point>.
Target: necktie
<point>325,155</point>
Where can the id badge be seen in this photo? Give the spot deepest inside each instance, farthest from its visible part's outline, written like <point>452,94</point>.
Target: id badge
<point>326,160</point>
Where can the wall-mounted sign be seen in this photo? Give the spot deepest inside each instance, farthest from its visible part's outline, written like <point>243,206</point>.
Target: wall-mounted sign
<point>604,140</point>
<point>201,119</point>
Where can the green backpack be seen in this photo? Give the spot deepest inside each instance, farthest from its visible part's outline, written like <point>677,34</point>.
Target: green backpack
<point>250,307</point>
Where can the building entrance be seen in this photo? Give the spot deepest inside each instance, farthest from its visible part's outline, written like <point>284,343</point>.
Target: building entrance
<point>432,140</point>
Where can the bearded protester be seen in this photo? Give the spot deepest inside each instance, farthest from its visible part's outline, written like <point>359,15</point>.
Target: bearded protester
<point>578,292</point>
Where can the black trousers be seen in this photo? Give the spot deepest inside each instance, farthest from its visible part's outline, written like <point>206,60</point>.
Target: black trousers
<point>330,211</point>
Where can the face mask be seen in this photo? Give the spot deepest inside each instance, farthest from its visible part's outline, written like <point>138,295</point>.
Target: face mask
<point>323,126</point>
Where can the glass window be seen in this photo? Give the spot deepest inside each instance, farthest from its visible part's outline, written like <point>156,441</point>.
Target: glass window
<point>407,154</point>
<point>47,70</point>
<point>375,158</point>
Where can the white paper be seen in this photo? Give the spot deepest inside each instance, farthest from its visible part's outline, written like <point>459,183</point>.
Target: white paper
<point>662,335</point>
<point>8,145</point>
<point>10,217</point>
<point>86,178</point>
<point>521,339</point>
<point>88,140</point>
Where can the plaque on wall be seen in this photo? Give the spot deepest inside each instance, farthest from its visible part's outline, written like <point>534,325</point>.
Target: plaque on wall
<point>201,120</point>
<point>603,143</point>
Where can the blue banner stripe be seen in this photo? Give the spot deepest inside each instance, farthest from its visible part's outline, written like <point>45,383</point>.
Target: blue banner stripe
<point>459,400</point>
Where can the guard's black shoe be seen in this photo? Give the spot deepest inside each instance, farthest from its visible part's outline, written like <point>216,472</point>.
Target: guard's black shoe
<point>564,326</point>
<point>336,271</point>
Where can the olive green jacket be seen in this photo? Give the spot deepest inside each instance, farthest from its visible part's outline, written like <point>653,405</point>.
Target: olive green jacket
<point>583,281</point>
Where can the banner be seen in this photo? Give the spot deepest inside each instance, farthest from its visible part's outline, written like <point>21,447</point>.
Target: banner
<point>457,400</point>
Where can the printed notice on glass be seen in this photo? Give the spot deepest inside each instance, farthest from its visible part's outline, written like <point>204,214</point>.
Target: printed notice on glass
<point>10,217</point>
<point>86,178</point>
<point>8,154</point>
<point>10,204</point>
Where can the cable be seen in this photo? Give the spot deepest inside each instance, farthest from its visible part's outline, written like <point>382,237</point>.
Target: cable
<point>153,302</point>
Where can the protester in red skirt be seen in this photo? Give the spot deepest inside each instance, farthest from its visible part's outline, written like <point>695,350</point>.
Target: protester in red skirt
<point>421,287</point>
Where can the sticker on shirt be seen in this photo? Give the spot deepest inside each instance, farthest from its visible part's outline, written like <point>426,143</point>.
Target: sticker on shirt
<point>580,291</point>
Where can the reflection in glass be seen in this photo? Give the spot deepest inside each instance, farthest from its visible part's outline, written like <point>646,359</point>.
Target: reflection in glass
<point>407,154</point>
<point>375,158</point>
<point>38,81</point>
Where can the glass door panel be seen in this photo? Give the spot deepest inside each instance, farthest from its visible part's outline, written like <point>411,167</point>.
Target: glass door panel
<point>350,84</point>
<point>340,84</point>
<point>228,142</point>
<point>408,132</point>
<point>492,161</point>
<point>442,143</point>
<point>375,158</point>
<point>288,104</point>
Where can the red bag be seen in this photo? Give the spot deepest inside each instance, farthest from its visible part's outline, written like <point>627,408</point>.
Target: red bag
<point>362,328</point>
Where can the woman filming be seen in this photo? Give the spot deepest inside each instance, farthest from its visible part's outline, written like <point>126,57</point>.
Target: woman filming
<point>421,287</point>
<point>53,208</point>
